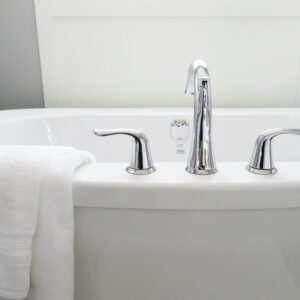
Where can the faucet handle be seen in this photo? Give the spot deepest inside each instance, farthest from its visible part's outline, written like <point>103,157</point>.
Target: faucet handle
<point>141,162</point>
<point>261,161</point>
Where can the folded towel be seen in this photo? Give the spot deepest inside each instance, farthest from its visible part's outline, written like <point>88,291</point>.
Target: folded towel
<point>36,221</point>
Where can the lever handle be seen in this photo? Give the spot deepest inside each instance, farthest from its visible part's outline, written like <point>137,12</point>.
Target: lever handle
<point>141,161</point>
<point>261,161</point>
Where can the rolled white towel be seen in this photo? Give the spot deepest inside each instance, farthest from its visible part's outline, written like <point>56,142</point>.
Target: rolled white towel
<point>37,222</point>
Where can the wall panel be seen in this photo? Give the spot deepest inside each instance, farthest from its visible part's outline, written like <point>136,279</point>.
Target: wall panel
<point>175,8</point>
<point>93,57</point>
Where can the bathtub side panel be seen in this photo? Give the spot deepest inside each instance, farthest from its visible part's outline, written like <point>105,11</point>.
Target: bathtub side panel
<point>173,255</point>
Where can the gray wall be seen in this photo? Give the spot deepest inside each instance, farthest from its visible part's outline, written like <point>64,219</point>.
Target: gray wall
<point>20,74</point>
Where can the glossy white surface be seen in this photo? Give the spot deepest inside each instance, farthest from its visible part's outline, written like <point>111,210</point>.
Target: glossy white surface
<point>170,187</point>
<point>234,131</point>
<point>187,254</point>
<point>172,235</point>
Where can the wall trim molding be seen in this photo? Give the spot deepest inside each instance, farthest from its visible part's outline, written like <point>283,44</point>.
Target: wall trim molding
<point>175,8</point>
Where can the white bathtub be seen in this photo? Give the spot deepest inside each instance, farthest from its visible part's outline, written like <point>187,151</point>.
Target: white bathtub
<point>172,235</point>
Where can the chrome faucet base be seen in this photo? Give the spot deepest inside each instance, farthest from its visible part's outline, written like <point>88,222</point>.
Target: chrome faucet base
<point>196,171</point>
<point>141,171</point>
<point>261,171</point>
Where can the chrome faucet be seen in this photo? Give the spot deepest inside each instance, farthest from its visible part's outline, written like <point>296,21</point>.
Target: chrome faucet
<point>261,161</point>
<point>141,161</point>
<point>201,160</point>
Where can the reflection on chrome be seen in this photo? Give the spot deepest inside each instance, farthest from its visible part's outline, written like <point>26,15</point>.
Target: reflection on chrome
<point>201,160</point>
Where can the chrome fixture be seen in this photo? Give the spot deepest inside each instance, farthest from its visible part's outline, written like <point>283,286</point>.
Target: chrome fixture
<point>141,161</point>
<point>201,160</point>
<point>261,160</point>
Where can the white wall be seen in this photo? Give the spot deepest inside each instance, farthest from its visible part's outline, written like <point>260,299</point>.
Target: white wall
<point>136,52</point>
<point>20,74</point>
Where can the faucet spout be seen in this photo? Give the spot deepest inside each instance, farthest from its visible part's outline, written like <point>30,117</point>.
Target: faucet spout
<point>196,67</point>
<point>201,160</point>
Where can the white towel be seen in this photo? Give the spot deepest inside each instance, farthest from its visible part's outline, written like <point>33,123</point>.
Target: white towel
<point>36,221</point>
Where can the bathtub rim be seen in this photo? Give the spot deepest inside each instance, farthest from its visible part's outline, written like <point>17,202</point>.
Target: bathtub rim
<point>42,113</point>
<point>288,171</point>
<point>109,186</point>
